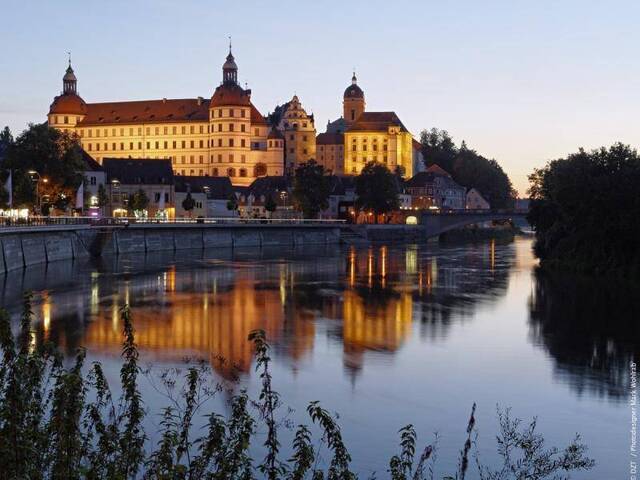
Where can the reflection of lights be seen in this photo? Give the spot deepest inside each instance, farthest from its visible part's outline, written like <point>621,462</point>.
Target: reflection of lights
<point>283,285</point>
<point>46,313</point>
<point>352,266</point>
<point>492,250</point>
<point>411,259</point>
<point>370,267</point>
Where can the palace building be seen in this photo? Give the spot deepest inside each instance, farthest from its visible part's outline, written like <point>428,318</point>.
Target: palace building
<point>225,135</point>
<point>360,137</point>
<point>299,132</point>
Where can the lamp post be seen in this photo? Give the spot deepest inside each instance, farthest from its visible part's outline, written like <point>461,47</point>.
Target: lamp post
<point>36,177</point>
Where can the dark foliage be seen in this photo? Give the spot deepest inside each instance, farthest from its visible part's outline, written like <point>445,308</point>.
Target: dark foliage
<point>377,189</point>
<point>311,189</point>
<point>585,210</point>
<point>54,155</point>
<point>467,167</point>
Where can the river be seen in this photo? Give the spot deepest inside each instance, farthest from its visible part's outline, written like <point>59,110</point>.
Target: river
<point>383,335</point>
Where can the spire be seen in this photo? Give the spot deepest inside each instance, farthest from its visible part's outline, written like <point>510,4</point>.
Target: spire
<point>69,81</point>
<point>230,69</point>
<point>354,80</point>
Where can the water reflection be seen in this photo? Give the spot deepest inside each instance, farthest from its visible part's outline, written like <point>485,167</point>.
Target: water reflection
<point>590,329</point>
<point>195,305</point>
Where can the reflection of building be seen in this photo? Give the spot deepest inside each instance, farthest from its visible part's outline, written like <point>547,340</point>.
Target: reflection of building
<point>367,325</point>
<point>214,324</point>
<point>223,136</point>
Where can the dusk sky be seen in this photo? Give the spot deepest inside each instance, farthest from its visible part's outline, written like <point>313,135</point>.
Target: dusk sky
<point>521,82</point>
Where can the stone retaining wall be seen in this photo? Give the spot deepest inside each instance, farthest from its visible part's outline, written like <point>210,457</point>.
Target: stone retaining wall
<point>38,246</point>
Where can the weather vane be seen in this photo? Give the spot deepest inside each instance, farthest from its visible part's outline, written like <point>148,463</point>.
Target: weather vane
<point>69,54</point>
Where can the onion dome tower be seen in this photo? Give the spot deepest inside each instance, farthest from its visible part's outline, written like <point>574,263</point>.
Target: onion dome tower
<point>353,103</point>
<point>68,108</point>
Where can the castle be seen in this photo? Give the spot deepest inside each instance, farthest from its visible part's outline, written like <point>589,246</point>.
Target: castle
<point>226,135</point>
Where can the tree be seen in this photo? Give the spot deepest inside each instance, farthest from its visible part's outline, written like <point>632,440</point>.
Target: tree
<point>139,201</point>
<point>54,155</point>
<point>232,203</point>
<point>585,210</point>
<point>103,198</point>
<point>311,189</point>
<point>6,140</point>
<point>377,189</point>
<point>188,203</point>
<point>270,204</point>
<point>438,148</point>
<point>467,167</point>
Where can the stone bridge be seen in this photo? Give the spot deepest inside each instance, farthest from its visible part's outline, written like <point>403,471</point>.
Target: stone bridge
<point>437,223</point>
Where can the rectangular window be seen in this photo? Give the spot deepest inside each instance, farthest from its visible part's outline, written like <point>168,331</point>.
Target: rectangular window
<point>231,142</point>
<point>183,130</point>
<point>231,112</point>
<point>157,144</point>
<point>191,130</point>
<point>230,157</point>
<point>165,130</point>
<point>174,130</point>
<point>219,142</point>
<point>175,144</point>
<point>130,145</point>
<point>157,130</point>
<point>231,127</point>
<point>191,143</point>
<point>242,127</point>
<point>139,145</point>
<point>242,113</point>
<point>242,142</point>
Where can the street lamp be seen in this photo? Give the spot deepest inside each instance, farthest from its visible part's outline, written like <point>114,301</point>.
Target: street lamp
<point>36,177</point>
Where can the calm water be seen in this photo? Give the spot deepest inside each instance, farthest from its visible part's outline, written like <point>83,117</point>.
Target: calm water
<point>384,336</point>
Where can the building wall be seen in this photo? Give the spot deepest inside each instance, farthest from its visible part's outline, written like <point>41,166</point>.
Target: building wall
<point>331,157</point>
<point>300,135</point>
<point>393,148</point>
<point>119,198</point>
<point>222,146</point>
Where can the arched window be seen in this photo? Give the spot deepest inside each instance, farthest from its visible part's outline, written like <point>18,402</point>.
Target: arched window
<point>215,172</point>
<point>260,170</point>
<point>231,172</point>
<point>243,172</point>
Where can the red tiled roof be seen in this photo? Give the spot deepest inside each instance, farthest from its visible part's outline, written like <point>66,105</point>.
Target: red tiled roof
<point>330,139</point>
<point>376,122</point>
<point>68,103</point>
<point>230,94</point>
<point>256,117</point>
<point>438,170</point>
<point>154,111</point>
<point>184,109</point>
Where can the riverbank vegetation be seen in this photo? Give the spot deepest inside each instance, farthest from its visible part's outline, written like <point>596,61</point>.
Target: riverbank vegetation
<point>585,210</point>
<point>60,421</point>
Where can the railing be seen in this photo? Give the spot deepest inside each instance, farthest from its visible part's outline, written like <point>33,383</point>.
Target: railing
<point>124,221</point>
<point>469,211</point>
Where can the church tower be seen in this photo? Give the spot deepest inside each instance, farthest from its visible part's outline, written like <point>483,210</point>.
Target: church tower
<point>68,108</point>
<point>353,102</point>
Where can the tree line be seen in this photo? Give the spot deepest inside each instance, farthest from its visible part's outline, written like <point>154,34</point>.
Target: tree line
<point>468,168</point>
<point>585,210</point>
